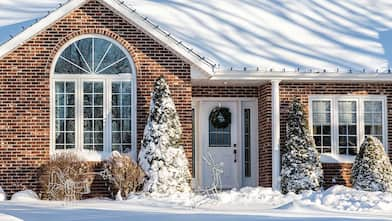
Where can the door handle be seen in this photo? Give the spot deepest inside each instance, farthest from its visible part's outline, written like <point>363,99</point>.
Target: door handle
<point>235,153</point>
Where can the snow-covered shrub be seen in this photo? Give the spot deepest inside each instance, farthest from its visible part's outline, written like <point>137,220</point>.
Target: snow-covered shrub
<point>162,157</point>
<point>25,195</point>
<point>65,177</point>
<point>372,170</point>
<point>301,166</point>
<point>122,174</point>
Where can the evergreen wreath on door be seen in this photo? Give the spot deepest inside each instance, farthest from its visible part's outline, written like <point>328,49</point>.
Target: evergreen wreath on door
<point>220,117</point>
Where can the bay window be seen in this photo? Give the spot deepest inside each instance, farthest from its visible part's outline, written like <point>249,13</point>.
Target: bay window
<point>93,103</point>
<point>340,123</point>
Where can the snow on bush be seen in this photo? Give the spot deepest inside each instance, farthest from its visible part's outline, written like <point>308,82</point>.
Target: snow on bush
<point>3,196</point>
<point>24,196</point>
<point>123,175</point>
<point>162,157</point>
<point>372,170</point>
<point>301,166</point>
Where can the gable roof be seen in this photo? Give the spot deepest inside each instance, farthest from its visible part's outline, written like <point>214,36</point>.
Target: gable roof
<point>250,38</point>
<point>166,39</point>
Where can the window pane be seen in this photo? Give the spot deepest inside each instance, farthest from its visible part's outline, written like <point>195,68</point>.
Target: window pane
<point>121,115</point>
<point>247,139</point>
<point>101,49</point>
<point>93,115</point>
<point>59,99</point>
<point>347,111</point>
<point>64,115</point>
<point>219,137</point>
<point>78,58</point>
<point>322,125</point>
<point>373,119</point>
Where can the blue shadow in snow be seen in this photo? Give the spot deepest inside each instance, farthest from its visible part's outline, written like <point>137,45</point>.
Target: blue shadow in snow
<point>385,38</point>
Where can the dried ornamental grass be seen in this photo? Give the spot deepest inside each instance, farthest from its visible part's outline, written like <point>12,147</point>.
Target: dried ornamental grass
<point>123,175</point>
<point>66,177</point>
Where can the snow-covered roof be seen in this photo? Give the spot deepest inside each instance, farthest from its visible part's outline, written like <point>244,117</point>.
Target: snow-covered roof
<point>320,36</point>
<point>119,7</point>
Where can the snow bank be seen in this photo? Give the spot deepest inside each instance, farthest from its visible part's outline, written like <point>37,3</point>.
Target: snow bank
<point>250,195</point>
<point>3,196</point>
<point>344,198</point>
<point>5,217</point>
<point>337,198</point>
<point>25,195</point>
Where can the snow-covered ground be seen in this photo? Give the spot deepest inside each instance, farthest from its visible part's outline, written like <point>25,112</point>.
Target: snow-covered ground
<point>337,203</point>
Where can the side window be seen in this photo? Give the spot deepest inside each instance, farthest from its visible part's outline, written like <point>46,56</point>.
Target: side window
<point>373,119</point>
<point>347,111</point>
<point>340,123</point>
<point>322,125</point>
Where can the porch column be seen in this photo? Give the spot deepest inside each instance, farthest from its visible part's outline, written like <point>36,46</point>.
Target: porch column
<point>275,135</point>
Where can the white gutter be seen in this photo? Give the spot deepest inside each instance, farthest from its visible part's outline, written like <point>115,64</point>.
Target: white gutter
<point>301,76</point>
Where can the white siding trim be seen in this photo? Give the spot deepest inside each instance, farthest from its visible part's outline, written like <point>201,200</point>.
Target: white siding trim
<point>275,135</point>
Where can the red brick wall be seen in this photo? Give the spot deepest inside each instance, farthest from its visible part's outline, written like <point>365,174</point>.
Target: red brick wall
<point>25,91</point>
<point>334,173</point>
<point>211,91</point>
<point>265,135</point>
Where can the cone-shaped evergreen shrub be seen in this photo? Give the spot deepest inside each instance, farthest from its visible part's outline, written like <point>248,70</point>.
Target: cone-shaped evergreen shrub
<point>301,167</point>
<point>162,157</point>
<point>372,170</point>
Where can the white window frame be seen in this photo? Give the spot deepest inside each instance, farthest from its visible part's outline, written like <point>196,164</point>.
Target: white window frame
<point>334,156</point>
<point>107,79</point>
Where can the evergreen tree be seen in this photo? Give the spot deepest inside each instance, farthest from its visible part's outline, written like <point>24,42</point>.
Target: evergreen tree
<point>372,170</point>
<point>301,166</point>
<point>162,157</point>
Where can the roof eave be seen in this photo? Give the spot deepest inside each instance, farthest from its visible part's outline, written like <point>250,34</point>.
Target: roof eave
<point>301,76</point>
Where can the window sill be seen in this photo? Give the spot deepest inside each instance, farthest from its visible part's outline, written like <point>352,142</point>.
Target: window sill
<point>329,158</point>
<point>87,155</point>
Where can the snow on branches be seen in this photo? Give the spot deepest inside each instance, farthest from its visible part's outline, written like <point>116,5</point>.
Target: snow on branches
<point>162,157</point>
<point>301,166</point>
<point>372,170</point>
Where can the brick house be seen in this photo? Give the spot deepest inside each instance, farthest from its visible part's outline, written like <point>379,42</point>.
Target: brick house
<point>80,79</point>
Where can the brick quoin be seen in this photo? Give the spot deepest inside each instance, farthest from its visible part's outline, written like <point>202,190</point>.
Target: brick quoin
<point>25,89</point>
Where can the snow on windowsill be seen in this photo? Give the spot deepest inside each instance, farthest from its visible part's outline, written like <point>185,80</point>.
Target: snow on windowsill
<point>329,158</point>
<point>88,155</point>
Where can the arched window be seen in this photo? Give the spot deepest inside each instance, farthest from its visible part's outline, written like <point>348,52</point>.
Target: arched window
<point>93,97</point>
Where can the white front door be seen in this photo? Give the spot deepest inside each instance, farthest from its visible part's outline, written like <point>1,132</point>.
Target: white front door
<point>221,144</point>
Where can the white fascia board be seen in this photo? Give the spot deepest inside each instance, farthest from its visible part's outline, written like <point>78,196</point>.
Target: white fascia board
<point>41,25</point>
<point>153,31</point>
<point>299,76</point>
